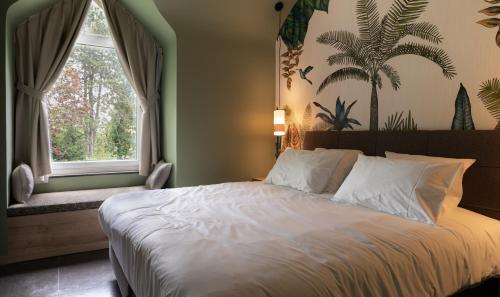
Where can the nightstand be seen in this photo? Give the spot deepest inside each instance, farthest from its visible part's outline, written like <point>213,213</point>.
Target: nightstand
<point>258,179</point>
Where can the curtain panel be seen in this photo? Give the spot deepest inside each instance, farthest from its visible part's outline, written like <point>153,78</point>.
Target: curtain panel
<point>142,58</point>
<point>43,43</point>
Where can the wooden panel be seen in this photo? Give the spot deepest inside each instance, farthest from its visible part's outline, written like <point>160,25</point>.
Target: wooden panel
<point>364,141</point>
<point>317,139</point>
<point>54,234</point>
<point>482,188</point>
<point>402,142</point>
<point>484,146</point>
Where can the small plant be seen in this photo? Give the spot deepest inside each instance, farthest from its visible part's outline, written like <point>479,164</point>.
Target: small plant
<point>396,122</point>
<point>340,120</point>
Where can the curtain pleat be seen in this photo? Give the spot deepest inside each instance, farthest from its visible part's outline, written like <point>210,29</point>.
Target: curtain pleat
<point>43,43</point>
<point>142,58</point>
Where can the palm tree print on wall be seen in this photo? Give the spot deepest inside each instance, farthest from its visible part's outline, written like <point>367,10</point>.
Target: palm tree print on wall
<point>366,56</point>
<point>492,22</point>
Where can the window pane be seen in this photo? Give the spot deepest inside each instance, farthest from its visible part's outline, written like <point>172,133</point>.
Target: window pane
<point>92,107</point>
<point>96,22</point>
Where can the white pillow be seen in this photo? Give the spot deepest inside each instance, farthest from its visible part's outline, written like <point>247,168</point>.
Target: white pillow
<point>307,171</point>
<point>159,176</point>
<point>410,189</point>
<point>349,158</point>
<point>22,183</point>
<point>456,191</point>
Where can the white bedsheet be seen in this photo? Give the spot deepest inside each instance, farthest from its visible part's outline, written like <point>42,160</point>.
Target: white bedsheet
<point>253,239</point>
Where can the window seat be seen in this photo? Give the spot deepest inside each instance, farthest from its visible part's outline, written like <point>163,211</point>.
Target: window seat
<point>66,201</point>
<point>55,224</point>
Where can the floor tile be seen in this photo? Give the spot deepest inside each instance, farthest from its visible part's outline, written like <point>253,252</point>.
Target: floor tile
<point>30,279</point>
<point>109,289</point>
<point>80,275</point>
<point>82,272</point>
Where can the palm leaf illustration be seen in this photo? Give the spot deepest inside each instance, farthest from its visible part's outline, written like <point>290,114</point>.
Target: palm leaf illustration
<point>396,122</point>
<point>490,96</point>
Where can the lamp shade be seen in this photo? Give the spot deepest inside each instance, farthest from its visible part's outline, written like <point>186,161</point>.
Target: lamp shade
<point>279,122</point>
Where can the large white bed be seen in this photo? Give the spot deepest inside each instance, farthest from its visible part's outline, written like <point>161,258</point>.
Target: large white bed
<point>254,239</point>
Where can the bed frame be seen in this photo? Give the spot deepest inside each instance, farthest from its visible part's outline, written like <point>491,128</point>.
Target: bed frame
<point>481,181</point>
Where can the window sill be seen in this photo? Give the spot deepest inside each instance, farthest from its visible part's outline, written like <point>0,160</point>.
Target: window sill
<point>94,174</point>
<point>90,168</point>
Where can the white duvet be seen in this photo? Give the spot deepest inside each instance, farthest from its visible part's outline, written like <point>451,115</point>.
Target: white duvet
<point>253,239</point>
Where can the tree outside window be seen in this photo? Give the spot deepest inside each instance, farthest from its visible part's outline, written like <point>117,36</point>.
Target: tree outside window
<point>92,106</point>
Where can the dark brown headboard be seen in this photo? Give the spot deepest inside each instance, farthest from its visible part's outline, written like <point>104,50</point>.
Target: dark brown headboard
<point>481,181</point>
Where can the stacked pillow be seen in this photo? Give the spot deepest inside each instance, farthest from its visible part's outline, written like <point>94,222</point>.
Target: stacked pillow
<point>312,171</point>
<point>410,186</point>
<point>411,189</point>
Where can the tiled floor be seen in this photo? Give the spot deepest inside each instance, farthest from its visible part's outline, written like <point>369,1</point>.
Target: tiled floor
<point>82,275</point>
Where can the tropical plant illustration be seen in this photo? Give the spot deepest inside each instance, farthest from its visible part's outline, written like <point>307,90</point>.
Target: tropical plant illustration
<point>365,56</point>
<point>305,72</point>
<point>396,122</point>
<point>292,138</point>
<point>294,31</point>
<point>296,130</point>
<point>489,94</point>
<point>290,62</point>
<point>340,120</point>
<point>307,119</point>
<point>462,120</point>
<point>492,22</point>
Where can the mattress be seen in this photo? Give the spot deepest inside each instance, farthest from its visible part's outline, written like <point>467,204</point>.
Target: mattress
<point>254,239</point>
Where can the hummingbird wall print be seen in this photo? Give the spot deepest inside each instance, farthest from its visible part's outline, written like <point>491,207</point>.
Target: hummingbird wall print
<point>494,21</point>
<point>305,72</point>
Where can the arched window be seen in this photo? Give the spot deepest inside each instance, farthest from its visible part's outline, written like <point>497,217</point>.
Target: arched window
<point>93,110</point>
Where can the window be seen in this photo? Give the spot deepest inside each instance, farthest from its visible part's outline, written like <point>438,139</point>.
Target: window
<point>92,107</point>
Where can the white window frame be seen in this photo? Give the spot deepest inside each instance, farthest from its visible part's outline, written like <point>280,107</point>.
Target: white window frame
<point>75,168</point>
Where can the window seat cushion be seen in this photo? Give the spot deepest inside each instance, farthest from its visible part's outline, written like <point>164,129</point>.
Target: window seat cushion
<point>66,201</point>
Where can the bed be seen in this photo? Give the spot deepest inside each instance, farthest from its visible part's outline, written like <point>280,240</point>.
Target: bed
<point>252,239</point>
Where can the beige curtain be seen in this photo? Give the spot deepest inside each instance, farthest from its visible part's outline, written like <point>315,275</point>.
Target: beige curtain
<point>43,43</point>
<point>142,59</point>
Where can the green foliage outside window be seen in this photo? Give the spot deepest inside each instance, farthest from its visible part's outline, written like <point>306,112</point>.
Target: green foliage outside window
<point>92,107</point>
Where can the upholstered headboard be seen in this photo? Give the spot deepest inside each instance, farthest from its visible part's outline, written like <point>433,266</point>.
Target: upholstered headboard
<point>481,181</point>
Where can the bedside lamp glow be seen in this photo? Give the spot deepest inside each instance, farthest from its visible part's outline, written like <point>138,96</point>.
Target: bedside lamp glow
<point>279,122</point>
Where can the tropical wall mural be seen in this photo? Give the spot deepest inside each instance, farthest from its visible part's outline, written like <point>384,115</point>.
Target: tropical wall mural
<point>393,65</point>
